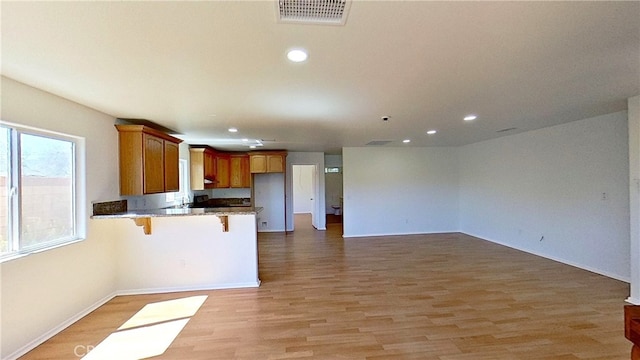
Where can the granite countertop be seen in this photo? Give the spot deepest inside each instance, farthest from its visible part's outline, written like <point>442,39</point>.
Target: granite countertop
<point>182,211</point>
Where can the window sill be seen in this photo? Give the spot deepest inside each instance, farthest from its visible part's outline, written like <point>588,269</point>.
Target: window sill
<point>20,254</point>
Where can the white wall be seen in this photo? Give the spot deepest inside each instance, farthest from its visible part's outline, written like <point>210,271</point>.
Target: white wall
<point>400,190</point>
<point>166,261</point>
<point>307,158</point>
<point>634,196</point>
<point>269,194</point>
<point>44,290</point>
<point>568,183</point>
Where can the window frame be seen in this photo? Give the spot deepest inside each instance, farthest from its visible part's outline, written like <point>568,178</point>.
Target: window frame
<point>14,203</point>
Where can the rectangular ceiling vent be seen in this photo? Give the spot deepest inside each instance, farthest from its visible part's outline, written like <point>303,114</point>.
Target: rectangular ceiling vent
<point>319,12</point>
<point>378,142</point>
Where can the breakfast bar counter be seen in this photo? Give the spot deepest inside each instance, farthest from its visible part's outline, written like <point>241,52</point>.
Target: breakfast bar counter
<point>183,248</point>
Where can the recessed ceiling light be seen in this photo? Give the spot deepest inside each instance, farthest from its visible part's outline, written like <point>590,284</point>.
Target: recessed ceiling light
<point>431,132</point>
<point>406,141</point>
<point>245,140</point>
<point>297,55</point>
<point>233,130</point>
<point>252,147</point>
<point>470,117</point>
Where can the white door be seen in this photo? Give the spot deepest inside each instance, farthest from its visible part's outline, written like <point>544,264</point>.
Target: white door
<point>303,189</point>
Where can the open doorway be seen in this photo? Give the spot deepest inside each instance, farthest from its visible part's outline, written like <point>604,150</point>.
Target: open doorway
<point>304,190</point>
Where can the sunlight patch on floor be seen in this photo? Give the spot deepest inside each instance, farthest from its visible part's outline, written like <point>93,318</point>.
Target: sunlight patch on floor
<point>149,332</point>
<point>165,311</point>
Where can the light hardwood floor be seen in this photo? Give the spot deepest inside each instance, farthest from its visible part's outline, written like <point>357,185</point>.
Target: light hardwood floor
<point>446,297</point>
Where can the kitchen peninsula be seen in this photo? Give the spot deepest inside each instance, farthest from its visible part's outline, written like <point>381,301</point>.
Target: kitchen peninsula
<point>186,248</point>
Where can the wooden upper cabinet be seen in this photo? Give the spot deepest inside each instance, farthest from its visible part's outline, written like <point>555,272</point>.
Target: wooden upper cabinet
<point>171,167</point>
<point>240,176</point>
<point>258,163</point>
<point>222,170</point>
<point>153,158</point>
<point>196,168</point>
<point>202,168</point>
<point>210,168</point>
<point>275,163</point>
<point>268,161</point>
<point>149,160</point>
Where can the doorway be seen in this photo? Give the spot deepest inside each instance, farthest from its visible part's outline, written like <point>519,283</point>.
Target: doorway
<point>304,195</point>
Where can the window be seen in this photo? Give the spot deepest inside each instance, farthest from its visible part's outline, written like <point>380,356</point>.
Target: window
<point>38,190</point>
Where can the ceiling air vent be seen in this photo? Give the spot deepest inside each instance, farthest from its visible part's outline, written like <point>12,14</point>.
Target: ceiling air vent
<point>378,142</point>
<point>319,12</point>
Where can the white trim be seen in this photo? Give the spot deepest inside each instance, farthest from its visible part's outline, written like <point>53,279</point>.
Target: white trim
<point>400,234</point>
<point>54,331</point>
<point>558,259</point>
<point>188,288</point>
<point>632,301</point>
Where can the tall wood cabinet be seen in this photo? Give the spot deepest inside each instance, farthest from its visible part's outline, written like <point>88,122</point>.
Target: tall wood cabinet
<point>149,160</point>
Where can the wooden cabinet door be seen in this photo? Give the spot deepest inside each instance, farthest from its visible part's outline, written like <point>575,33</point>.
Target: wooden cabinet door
<point>171,167</point>
<point>209,165</point>
<point>196,166</point>
<point>222,171</point>
<point>245,175</point>
<point>275,163</point>
<point>240,176</point>
<point>144,166</point>
<point>258,163</point>
<point>153,158</point>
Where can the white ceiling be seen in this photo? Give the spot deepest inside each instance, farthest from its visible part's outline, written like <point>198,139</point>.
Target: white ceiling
<point>202,67</point>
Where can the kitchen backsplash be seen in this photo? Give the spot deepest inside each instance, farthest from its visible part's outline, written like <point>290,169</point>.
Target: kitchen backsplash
<point>225,193</point>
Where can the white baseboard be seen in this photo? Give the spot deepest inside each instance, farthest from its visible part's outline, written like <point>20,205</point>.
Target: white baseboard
<point>49,334</point>
<point>558,259</point>
<point>399,234</point>
<point>632,301</point>
<point>187,288</point>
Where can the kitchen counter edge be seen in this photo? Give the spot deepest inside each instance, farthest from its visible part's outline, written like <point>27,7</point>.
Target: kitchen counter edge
<point>240,210</point>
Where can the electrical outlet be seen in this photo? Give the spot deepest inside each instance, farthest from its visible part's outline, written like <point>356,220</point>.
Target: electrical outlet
<point>264,223</point>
